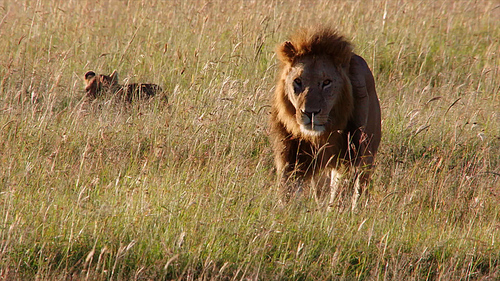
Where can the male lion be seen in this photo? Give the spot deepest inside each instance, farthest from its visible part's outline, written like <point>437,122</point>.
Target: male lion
<point>325,114</point>
<point>98,85</point>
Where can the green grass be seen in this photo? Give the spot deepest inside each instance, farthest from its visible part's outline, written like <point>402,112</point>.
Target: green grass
<point>187,190</point>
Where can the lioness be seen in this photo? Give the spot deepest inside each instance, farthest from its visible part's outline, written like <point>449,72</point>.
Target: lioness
<point>325,114</point>
<point>98,85</point>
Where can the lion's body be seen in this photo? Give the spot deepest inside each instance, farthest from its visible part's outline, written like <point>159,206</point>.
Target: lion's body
<point>98,85</point>
<point>324,116</point>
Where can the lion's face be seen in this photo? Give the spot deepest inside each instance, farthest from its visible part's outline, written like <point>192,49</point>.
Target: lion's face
<point>94,84</point>
<point>314,85</point>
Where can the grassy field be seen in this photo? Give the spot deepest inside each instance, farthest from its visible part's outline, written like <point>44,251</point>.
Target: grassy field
<point>187,190</point>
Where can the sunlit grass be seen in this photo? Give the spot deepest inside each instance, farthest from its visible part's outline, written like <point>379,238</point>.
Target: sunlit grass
<point>187,190</point>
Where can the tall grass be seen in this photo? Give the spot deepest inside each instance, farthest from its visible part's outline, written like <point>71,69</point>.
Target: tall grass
<point>187,190</point>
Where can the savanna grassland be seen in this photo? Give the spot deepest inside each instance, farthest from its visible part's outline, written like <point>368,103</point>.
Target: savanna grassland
<point>186,189</point>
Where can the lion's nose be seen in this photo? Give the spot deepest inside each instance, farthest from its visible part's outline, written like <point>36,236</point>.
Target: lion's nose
<point>310,113</point>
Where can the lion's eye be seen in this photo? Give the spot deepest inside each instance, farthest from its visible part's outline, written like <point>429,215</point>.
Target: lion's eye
<point>298,82</point>
<point>327,82</point>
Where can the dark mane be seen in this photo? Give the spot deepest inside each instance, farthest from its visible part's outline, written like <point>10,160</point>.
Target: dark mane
<point>316,41</point>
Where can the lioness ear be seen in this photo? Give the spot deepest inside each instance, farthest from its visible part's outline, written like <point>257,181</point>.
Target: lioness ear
<point>114,76</point>
<point>287,51</point>
<point>89,75</point>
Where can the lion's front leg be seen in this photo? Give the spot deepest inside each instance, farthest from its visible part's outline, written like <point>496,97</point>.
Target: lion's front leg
<point>290,187</point>
<point>335,181</point>
<point>289,167</point>
<point>292,181</point>
<point>361,179</point>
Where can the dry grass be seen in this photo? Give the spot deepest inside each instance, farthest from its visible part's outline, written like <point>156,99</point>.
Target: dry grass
<point>187,190</point>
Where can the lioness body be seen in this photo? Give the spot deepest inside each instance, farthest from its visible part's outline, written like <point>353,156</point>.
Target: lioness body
<point>98,85</point>
<point>325,113</point>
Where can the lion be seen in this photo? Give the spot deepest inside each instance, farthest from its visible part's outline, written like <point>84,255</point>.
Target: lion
<point>325,115</point>
<point>98,85</point>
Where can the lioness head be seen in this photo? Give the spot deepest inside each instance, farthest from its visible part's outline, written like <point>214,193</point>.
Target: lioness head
<point>315,81</point>
<point>95,84</point>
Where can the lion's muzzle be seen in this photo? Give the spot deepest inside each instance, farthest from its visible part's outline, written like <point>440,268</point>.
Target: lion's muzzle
<point>310,125</point>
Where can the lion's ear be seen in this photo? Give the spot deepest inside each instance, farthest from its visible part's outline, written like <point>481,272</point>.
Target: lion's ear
<point>287,51</point>
<point>89,75</point>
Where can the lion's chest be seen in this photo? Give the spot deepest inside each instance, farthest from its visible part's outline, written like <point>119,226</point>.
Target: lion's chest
<point>322,153</point>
